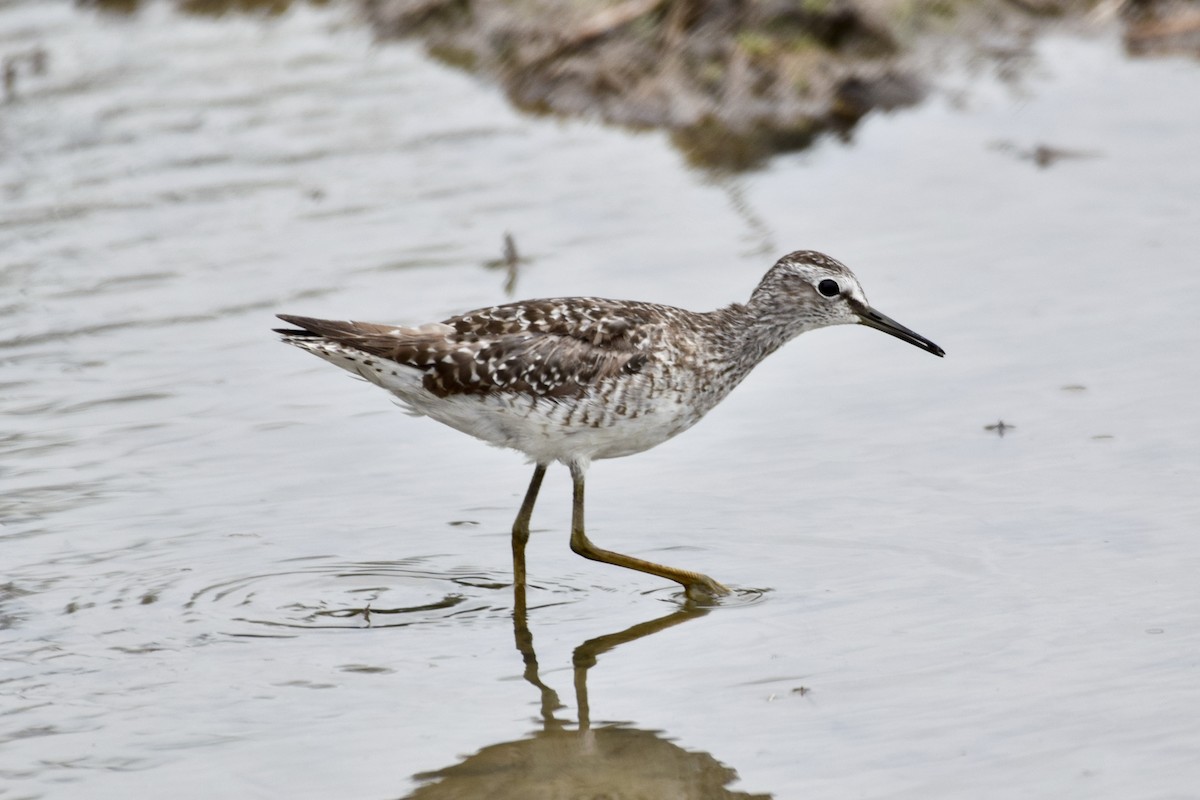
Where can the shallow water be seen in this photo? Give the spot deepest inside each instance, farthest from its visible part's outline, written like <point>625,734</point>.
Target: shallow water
<point>228,571</point>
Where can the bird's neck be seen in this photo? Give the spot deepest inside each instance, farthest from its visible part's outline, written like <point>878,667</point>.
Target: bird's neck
<point>744,336</point>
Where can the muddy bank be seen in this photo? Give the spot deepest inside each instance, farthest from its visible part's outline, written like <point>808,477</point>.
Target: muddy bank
<point>735,81</point>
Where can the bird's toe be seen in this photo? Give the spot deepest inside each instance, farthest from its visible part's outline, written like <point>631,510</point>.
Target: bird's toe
<point>705,588</point>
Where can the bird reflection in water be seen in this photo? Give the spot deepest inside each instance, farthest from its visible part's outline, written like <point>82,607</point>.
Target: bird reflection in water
<point>606,761</point>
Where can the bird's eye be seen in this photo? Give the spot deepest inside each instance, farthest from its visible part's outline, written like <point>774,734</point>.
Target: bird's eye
<point>829,288</point>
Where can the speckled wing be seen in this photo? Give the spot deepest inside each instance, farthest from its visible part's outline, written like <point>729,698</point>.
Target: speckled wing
<point>543,348</point>
<point>613,325</point>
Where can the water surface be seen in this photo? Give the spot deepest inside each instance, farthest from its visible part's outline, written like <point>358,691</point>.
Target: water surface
<point>229,571</point>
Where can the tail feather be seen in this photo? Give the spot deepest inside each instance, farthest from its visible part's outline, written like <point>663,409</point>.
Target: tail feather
<point>336,329</point>
<point>416,347</point>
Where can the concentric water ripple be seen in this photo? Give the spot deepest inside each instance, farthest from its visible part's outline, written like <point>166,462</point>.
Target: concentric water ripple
<point>322,593</point>
<point>738,597</point>
<point>328,594</point>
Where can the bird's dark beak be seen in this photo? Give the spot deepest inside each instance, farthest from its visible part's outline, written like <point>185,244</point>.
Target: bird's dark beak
<point>873,319</point>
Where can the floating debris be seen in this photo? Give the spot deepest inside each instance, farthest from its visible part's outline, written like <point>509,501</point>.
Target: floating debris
<point>1042,155</point>
<point>35,59</point>
<point>510,261</point>
<point>999,427</point>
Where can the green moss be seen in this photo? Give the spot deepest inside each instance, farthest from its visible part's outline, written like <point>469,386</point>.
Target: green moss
<point>942,9</point>
<point>927,11</point>
<point>712,144</point>
<point>711,74</point>
<point>816,6</point>
<point>645,29</point>
<point>756,44</point>
<point>804,43</point>
<point>459,57</point>
<point>771,46</point>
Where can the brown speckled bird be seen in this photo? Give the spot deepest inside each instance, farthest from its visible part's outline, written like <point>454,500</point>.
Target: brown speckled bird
<point>580,378</point>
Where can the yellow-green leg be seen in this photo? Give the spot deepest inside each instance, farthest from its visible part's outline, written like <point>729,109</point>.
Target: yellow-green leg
<point>520,531</point>
<point>697,585</point>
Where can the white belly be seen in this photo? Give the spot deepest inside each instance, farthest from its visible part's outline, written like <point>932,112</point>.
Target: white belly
<point>547,430</point>
<point>613,420</point>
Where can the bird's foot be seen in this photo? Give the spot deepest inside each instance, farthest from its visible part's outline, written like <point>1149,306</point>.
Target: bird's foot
<point>703,589</point>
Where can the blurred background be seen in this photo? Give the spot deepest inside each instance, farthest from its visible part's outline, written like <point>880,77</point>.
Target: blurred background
<point>227,570</point>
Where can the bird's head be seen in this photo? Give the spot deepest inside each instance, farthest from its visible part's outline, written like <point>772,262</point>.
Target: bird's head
<point>807,290</point>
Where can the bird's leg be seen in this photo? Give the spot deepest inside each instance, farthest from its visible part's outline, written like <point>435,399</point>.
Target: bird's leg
<point>520,530</point>
<point>696,585</point>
